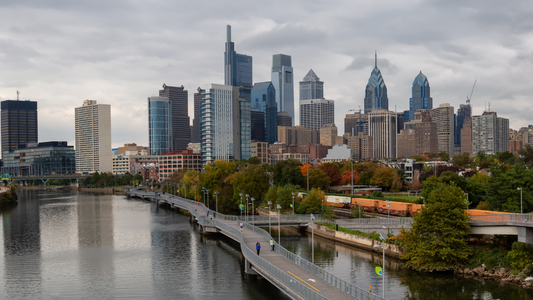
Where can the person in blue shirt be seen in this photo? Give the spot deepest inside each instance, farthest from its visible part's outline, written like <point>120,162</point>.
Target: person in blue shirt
<point>258,247</point>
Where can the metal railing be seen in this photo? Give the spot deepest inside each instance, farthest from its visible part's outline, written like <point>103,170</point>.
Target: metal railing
<point>503,218</point>
<point>376,221</point>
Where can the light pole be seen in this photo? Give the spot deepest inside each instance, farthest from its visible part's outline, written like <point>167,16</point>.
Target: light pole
<point>308,178</point>
<point>388,212</point>
<point>216,201</point>
<point>382,238</point>
<point>359,204</point>
<point>253,211</point>
<point>467,203</point>
<point>423,200</point>
<point>240,208</point>
<point>195,192</point>
<point>207,194</point>
<point>520,202</point>
<point>269,226</point>
<point>351,163</point>
<point>312,238</point>
<point>185,187</point>
<point>179,189</point>
<point>279,225</point>
<point>293,203</point>
<point>246,214</point>
<point>203,194</point>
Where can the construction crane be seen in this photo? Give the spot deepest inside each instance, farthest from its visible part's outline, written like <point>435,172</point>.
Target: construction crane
<point>468,98</point>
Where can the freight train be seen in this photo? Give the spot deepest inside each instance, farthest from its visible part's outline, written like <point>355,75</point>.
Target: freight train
<point>382,206</point>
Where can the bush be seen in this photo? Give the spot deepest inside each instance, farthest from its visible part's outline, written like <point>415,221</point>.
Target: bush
<point>377,194</point>
<point>520,255</point>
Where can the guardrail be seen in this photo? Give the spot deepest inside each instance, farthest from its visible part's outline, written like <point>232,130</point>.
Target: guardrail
<point>376,221</point>
<point>503,218</point>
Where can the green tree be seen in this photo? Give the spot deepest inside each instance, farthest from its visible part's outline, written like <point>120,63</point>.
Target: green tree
<point>95,178</point>
<point>284,196</point>
<point>502,189</point>
<point>383,177</point>
<point>329,213</point>
<point>312,203</point>
<point>526,155</point>
<point>318,179</point>
<point>357,212</point>
<point>462,161</point>
<point>444,156</point>
<point>439,234</point>
<point>254,160</point>
<point>397,184</point>
<point>288,171</point>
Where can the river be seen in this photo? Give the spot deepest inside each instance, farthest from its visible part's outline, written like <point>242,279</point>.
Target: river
<point>70,245</point>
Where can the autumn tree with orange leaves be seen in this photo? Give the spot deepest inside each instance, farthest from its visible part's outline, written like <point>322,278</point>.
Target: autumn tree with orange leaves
<point>347,177</point>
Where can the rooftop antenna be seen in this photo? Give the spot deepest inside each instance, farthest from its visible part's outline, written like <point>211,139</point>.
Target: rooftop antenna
<point>489,105</point>
<point>18,93</point>
<point>376,59</point>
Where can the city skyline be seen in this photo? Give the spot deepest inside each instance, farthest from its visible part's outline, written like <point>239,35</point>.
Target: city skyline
<point>109,60</point>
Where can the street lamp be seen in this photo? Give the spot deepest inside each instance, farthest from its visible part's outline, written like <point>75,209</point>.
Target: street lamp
<point>382,238</point>
<point>293,203</point>
<point>240,207</point>
<point>467,203</point>
<point>253,211</point>
<point>359,205</point>
<point>246,214</point>
<point>424,200</point>
<point>203,194</point>
<point>179,189</point>
<point>351,163</point>
<point>269,226</point>
<point>207,194</point>
<point>216,201</point>
<point>308,177</point>
<point>312,238</point>
<point>520,201</point>
<point>388,212</point>
<point>279,225</point>
<point>195,192</point>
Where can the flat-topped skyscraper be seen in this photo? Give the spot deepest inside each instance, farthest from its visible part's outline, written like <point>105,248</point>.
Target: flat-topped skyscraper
<point>237,68</point>
<point>282,79</point>
<point>19,123</point>
<point>376,91</point>
<point>181,131</point>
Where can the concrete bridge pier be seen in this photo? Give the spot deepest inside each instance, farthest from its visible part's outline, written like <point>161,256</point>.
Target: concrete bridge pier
<point>42,186</point>
<point>525,235</point>
<point>248,268</point>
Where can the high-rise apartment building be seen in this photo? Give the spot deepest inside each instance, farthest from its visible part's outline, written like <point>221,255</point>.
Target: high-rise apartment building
<point>19,123</point>
<point>282,79</point>
<point>421,97</point>
<point>160,131</point>
<point>317,113</point>
<point>466,137</point>
<point>382,127</point>
<point>311,87</point>
<point>490,133</point>
<point>298,135</point>
<point>355,123</point>
<point>329,137</point>
<point>93,137</point>
<point>362,146</point>
<point>264,100</point>
<point>195,134</point>
<point>406,143</point>
<point>237,68</point>
<point>376,91</point>
<point>181,131</point>
<point>425,132</point>
<point>443,116</point>
<point>225,124</point>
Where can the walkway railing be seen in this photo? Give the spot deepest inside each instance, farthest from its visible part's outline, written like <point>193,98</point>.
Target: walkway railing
<point>503,218</point>
<point>376,221</point>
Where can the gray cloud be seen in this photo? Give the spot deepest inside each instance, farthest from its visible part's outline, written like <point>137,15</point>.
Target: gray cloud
<point>368,62</point>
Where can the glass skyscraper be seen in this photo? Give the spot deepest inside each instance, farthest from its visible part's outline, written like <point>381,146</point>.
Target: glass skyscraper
<point>282,79</point>
<point>159,124</point>
<point>311,87</point>
<point>19,123</point>
<point>237,68</point>
<point>421,97</point>
<point>264,100</point>
<point>376,91</point>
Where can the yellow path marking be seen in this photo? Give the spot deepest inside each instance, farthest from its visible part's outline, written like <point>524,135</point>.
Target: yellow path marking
<point>303,281</point>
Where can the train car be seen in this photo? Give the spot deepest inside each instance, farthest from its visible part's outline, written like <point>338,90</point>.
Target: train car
<point>338,201</point>
<point>396,208</point>
<point>415,209</point>
<point>369,205</point>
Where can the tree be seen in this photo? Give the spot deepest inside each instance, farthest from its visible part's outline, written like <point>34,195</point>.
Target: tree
<point>502,188</point>
<point>383,177</point>
<point>347,177</point>
<point>462,161</point>
<point>329,213</point>
<point>284,196</point>
<point>318,179</point>
<point>333,172</point>
<point>444,156</point>
<point>439,234</point>
<point>305,168</point>
<point>397,184</point>
<point>254,160</point>
<point>312,203</point>
<point>526,155</point>
<point>288,171</point>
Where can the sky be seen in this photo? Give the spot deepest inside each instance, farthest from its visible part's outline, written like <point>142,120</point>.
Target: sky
<point>61,52</point>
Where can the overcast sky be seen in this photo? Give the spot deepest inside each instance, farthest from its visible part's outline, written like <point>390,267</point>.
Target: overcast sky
<point>60,52</point>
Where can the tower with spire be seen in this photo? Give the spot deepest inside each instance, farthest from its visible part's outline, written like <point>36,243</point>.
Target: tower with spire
<point>376,90</point>
<point>421,97</point>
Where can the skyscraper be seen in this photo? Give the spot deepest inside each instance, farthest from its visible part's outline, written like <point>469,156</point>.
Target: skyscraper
<point>421,97</point>
<point>237,68</point>
<point>311,87</point>
<point>225,124</point>
<point>257,118</point>
<point>195,135</point>
<point>317,113</point>
<point>376,91</point>
<point>159,125</point>
<point>382,127</point>
<point>181,131</point>
<point>19,124</point>
<point>490,133</point>
<point>264,99</point>
<point>93,137</point>
<point>282,79</point>
<point>463,113</point>
<point>443,116</point>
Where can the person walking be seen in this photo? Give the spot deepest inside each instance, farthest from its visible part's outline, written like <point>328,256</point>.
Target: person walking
<point>258,248</point>
<point>241,226</point>
<point>271,244</point>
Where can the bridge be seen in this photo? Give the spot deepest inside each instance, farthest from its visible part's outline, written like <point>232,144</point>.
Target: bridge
<point>292,274</point>
<point>44,179</point>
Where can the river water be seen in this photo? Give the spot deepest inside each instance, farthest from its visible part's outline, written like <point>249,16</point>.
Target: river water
<point>69,245</point>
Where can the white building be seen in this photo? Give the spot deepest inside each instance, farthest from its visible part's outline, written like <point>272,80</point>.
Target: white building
<point>338,153</point>
<point>121,164</point>
<point>93,137</point>
<point>490,133</point>
<point>317,113</point>
<point>382,127</point>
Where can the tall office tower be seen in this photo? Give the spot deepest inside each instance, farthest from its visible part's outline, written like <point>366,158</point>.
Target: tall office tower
<point>317,113</point>
<point>159,125</point>
<point>463,113</point>
<point>181,133</point>
<point>195,134</point>
<point>284,119</point>
<point>425,132</point>
<point>282,79</point>
<point>297,135</point>
<point>466,137</point>
<point>444,117</point>
<point>376,91</point>
<point>421,97</point>
<point>257,125</point>
<point>93,137</point>
<point>406,143</point>
<point>400,121</point>
<point>382,127</point>
<point>311,87</point>
<point>19,124</point>
<point>362,146</point>
<point>223,115</point>
<point>264,99</point>
<point>355,123</point>
<point>237,68</point>
<point>490,133</point>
